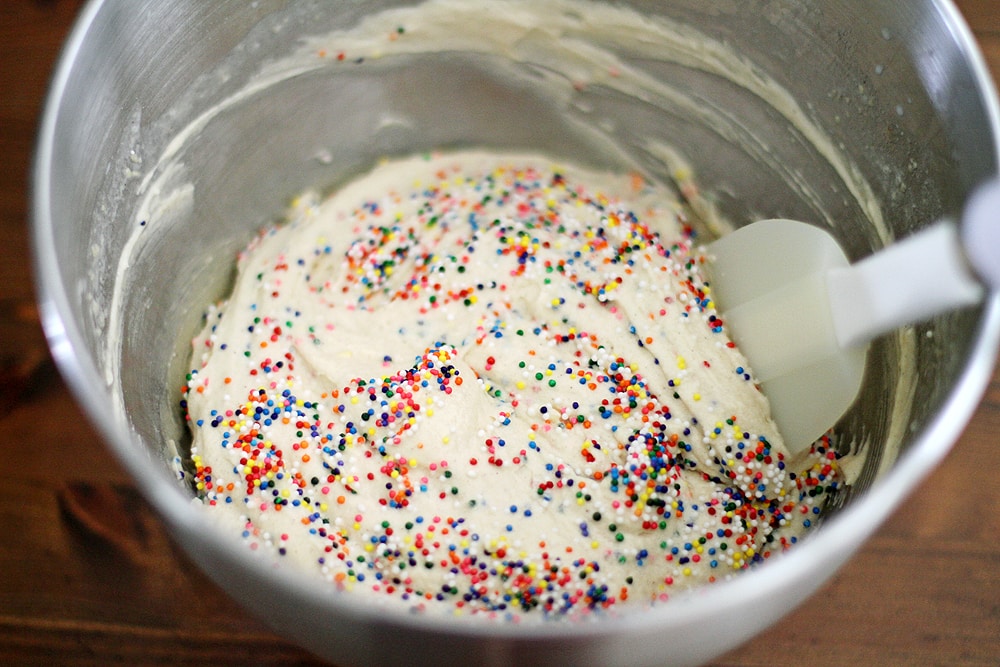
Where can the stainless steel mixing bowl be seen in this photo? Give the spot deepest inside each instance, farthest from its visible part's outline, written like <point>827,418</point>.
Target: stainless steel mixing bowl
<point>889,114</point>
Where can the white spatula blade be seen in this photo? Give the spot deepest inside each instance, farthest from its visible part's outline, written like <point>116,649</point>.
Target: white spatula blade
<point>769,283</point>
<point>803,316</point>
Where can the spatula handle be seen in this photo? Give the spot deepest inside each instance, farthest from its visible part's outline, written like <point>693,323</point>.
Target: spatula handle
<point>923,275</point>
<point>981,233</point>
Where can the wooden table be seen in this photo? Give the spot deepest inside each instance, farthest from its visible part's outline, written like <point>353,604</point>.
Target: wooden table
<point>89,576</point>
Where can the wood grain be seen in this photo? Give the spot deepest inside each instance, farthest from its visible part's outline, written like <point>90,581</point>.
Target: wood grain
<point>90,577</point>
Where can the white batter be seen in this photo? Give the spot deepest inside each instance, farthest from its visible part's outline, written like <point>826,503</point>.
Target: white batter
<point>487,383</point>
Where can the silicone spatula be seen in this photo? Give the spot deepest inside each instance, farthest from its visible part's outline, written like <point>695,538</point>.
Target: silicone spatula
<point>804,316</point>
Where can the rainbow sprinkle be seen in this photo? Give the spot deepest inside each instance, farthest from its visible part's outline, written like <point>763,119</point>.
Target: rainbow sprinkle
<point>486,385</point>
